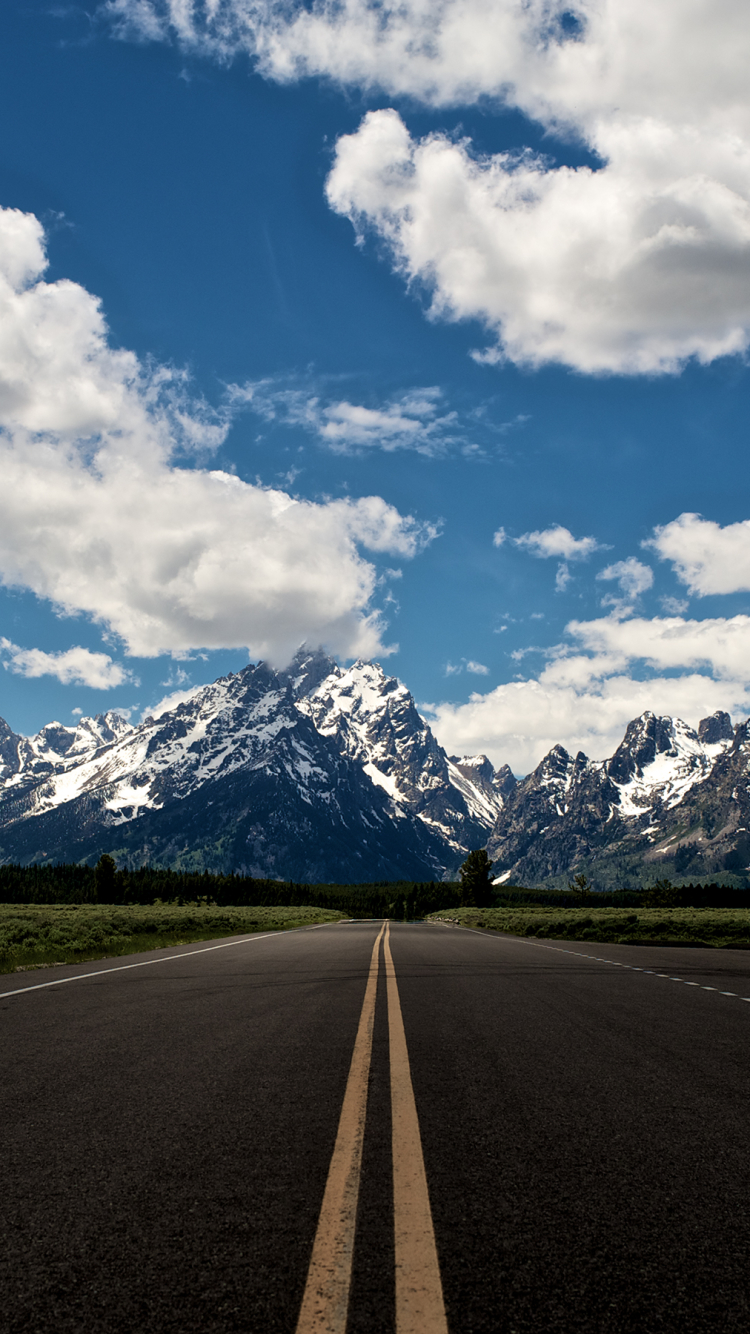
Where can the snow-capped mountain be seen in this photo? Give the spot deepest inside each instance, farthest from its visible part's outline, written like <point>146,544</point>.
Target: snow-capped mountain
<point>671,801</point>
<point>374,721</point>
<point>313,773</point>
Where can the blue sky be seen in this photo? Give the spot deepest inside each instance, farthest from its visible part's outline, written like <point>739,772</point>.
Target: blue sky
<point>438,267</point>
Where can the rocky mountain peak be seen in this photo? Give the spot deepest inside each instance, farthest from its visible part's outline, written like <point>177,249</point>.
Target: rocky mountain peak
<point>555,770</point>
<point>313,772</point>
<point>308,668</point>
<point>715,729</point>
<point>645,738</point>
<point>670,798</point>
<point>479,766</point>
<point>504,781</point>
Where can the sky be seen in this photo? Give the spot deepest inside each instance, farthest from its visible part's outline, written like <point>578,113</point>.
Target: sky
<point>416,331</point>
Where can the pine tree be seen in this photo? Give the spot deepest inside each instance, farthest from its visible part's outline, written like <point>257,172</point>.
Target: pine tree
<point>104,873</point>
<point>476,880</point>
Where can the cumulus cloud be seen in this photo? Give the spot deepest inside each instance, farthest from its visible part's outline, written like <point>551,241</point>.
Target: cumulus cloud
<point>635,266</point>
<point>706,557</point>
<point>557,541</point>
<point>631,575</point>
<point>451,52</point>
<point>75,666</point>
<point>411,421</point>
<point>607,673</point>
<point>96,516</point>
<point>554,541</point>
<point>630,268</point>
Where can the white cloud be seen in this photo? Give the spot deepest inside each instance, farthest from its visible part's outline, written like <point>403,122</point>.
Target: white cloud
<point>519,722</point>
<point>587,692</point>
<point>706,557</point>
<point>96,516</point>
<point>411,421</point>
<point>555,541</point>
<point>170,702</point>
<point>631,575</point>
<point>633,267</point>
<point>466,665</point>
<point>674,606</point>
<point>453,52</point>
<point>75,666</point>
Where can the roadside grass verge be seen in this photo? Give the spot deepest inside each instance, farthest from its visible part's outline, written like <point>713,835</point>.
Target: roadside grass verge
<point>720,928</point>
<point>38,935</point>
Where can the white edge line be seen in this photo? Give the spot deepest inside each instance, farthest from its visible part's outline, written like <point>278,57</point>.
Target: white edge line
<point>165,958</point>
<point>558,949</point>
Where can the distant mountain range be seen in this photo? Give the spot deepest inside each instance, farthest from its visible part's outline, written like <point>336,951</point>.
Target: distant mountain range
<point>322,774</point>
<point>671,803</point>
<point>310,774</point>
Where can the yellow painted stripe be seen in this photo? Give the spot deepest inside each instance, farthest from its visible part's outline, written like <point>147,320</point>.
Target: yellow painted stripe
<point>326,1300</point>
<point>419,1291</point>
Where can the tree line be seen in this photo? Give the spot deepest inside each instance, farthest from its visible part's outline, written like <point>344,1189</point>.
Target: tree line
<point>104,883</point>
<point>401,899</point>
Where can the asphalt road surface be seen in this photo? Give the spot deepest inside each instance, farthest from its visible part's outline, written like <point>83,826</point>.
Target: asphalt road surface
<point>170,1135</point>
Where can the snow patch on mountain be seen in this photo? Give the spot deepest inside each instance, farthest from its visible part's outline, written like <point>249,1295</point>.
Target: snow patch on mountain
<point>665,771</point>
<point>374,720</point>
<point>328,736</point>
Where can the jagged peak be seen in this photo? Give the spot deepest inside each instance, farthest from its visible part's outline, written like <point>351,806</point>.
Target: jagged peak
<point>716,728</point>
<point>504,780</point>
<point>645,737</point>
<point>480,765</point>
<point>307,670</point>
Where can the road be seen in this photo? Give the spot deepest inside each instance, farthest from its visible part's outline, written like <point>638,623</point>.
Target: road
<point>170,1137</point>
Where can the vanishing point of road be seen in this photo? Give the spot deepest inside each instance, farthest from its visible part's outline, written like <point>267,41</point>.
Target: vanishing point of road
<point>406,1128</point>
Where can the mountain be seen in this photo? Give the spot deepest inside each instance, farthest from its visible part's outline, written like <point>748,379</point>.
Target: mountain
<point>671,802</point>
<point>311,774</point>
<point>373,721</point>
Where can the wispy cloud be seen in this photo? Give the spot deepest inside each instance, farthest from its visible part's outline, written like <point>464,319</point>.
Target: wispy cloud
<point>414,420</point>
<point>466,665</point>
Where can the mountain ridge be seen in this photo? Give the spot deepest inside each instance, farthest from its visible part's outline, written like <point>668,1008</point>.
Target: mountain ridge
<point>671,801</point>
<point>312,773</point>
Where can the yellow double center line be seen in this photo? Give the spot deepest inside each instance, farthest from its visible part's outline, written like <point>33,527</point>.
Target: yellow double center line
<point>419,1293</point>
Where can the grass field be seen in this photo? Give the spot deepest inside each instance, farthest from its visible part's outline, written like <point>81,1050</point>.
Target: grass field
<point>717,927</point>
<point>35,936</point>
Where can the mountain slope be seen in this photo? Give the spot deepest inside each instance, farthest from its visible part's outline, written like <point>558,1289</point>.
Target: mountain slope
<point>308,774</point>
<point>374,721</point>
<point>671,801</point>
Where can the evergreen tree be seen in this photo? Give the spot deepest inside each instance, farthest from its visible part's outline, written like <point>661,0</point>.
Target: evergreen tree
<point>104,872</point>
<point>581,885</point>
<point>476,880</point>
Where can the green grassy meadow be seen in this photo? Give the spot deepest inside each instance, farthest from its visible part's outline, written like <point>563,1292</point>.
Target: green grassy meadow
<point>714,927</point>
<point>34,936</point>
